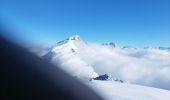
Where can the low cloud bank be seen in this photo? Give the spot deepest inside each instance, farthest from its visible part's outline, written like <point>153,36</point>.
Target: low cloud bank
<point>149,66</point>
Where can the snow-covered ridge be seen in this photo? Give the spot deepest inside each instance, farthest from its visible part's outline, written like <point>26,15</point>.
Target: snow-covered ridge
<point>75,37</point>
<point>65,54</point>
<point>72,38</point>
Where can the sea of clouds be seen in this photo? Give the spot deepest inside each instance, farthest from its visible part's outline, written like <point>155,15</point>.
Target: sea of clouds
<point>149,66</point>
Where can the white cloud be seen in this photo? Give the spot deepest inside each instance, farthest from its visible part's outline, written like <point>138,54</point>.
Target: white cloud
<point>149,67</point>
<point>39,49</point>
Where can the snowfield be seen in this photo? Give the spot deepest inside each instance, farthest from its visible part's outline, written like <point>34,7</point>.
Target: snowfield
<point>111,90</point>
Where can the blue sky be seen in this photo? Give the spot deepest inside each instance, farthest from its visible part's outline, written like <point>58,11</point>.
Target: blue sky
<point>137,23</point>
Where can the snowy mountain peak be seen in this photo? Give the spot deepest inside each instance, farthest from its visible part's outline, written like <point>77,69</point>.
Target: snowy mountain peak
<point>112,44</point>
<point>68,40</point>
<point>75,37</point>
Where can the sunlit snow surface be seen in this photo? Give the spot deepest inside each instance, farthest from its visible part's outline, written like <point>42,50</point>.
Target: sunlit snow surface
<point>111,90</point>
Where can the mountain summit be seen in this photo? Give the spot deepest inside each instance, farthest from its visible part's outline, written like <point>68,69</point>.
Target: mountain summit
<point>75,37</point>
<point>66,53</point>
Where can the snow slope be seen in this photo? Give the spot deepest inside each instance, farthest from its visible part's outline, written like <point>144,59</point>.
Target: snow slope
<point>111,90</point>
<point>65,54</point>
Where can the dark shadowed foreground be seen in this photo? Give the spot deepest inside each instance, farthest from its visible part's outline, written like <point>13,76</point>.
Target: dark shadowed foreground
<point>25,76</point>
